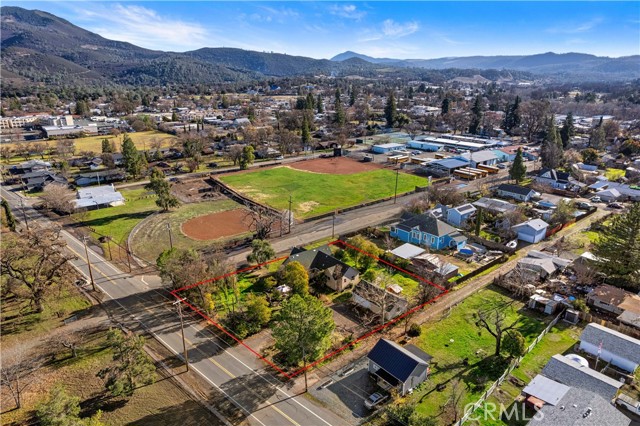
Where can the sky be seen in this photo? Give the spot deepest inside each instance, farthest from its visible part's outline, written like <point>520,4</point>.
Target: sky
<point>403,30</point>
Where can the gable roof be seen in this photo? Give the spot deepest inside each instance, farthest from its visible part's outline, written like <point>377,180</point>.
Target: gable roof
<point>321,259</point>
<point>407,251</point>
<point>566,371</point>
<point>535,224</point>
<point>429,224</point>
<point>401,363</point>
<point>580,407</point>
<point>612,341</point>
<point>515,189</point>
<point>493,204</point>
<point>554,174</point>
<point>464,208</point>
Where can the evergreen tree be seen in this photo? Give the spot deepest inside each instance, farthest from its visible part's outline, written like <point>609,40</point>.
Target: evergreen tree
<point>62,409</point>
<point>551,151</point>
<point>295,276</point>
<point>567,131</point>
<point>306,134</point>
<point>261,251</point>
<point>319,104</point>
<point>512,118</point>
<point>11,220</point>
<point>390,110</point>
<point>340,118</point>
<point>82,108</point>
<point>246,158</point>
<point>410,94</point>
<point>107,147</point>
<point>518,170</point>
<point>162,188</point>
<point>353,96</point>
<point>618,248</point>
<point>476,118</point>
<point>134,162</point>
<point>310,102</point>
<point>446,106</point>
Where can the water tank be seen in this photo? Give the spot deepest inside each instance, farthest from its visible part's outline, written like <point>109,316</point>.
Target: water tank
<point>580,360</point>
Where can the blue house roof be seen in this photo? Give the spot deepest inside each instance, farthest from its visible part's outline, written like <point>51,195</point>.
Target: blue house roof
<point>401,363</point>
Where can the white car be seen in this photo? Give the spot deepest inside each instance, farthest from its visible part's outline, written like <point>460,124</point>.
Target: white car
<point>375,399</point>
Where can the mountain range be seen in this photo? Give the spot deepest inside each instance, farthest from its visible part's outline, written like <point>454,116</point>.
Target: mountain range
<point>41,48</point>
<point>544,63</point>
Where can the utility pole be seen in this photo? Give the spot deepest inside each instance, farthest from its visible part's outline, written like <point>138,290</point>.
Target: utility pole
<point>290,213</point>
<point>86,252</point>
<point>170,236</point>
<point>24,213</point>
<point>333,225</point>
<point>184,342</point>
<point>395,192</point>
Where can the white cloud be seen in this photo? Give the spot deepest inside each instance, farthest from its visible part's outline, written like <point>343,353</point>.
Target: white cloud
<point>146,28</point>
<point>349,11</point>
<point>393,29</point>
<point>575,28</point>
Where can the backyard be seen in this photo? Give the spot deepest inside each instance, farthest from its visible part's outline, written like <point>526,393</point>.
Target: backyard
<point>463,352</point>
<point>316,193</point>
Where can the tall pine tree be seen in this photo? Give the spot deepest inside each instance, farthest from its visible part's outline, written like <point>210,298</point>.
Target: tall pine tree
<point>133,161</point>
<point>390,110</point>
<point>567,131</point>
<point>518,170</point>
<point>319,104</point>
<point>340,118</point>
<point>551,152</point>
<point>512,116</point>
<point>476,118</point>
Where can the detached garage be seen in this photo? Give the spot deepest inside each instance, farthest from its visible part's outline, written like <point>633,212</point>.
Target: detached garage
<point>621,350</point>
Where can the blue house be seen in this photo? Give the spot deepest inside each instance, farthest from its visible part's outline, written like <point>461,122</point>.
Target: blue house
<point>428,231</point>
<point>457,216</point>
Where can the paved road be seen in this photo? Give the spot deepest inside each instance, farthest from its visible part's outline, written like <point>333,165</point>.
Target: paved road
<point>258,396</point>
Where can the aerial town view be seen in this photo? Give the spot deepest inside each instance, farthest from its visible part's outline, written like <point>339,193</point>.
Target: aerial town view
<point>320,213</point>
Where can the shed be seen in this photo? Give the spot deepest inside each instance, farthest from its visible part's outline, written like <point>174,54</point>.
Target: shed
<point>407,251</point>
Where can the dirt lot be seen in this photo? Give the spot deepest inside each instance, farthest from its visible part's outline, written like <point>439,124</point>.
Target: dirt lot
<point>335,165</point>
<point>194,190</point>
<point>216,225</point>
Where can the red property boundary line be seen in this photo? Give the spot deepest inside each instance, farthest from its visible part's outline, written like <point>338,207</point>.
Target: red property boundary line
<point>344,244</point>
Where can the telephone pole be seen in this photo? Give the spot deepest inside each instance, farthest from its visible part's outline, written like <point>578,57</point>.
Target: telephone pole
<point>184,342</point>
<point>24,213</point>
<point>333,225</point>
<point>170,236</point>
<point>86,252</point>
<point>290,213</point>
<point>395,192</point>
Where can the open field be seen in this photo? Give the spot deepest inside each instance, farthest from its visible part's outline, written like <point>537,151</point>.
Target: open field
<point>216,225</point>
<point>39,335</point>
<point>142,140</point>
<point>335,166</point>
<point>152,237</point>
<point>316,193</point>
<point>461,351</point>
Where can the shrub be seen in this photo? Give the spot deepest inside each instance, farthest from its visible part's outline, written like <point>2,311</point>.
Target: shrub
<point>414,330</point>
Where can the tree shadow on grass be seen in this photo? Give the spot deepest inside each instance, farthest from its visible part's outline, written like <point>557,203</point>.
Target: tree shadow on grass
<point>186,413</point>
<point>104,221</point>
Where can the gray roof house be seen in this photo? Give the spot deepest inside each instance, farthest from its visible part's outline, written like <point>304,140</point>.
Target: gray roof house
<point>494,205</point>
<point>398,367</point>
<point>516,192</point>
<point>580,407</point>
<point>569,372</point>
<point>98,196</point>
<point>531,231</point>
<point>321,261</point>
<point>375,298</point>
<point>621,350</point>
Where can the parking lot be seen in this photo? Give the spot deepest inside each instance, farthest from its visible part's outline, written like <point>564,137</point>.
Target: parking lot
<point>346,394</point>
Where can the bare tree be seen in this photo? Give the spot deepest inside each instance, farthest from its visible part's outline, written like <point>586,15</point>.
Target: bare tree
<point>493,320</point>
<point>17,371</point>
<point>65,148</point>
<point>58,197</point>
<point>533,115</point>
<point>261,220</point>
<point>413,129</point>
<point>234,153</point>
<point>452,407</point>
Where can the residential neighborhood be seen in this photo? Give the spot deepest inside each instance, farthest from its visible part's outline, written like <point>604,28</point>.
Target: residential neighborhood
<point>239,237</point>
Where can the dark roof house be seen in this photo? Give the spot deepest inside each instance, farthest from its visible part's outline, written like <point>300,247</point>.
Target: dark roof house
<point>321,260</point>
<point>398,367</point>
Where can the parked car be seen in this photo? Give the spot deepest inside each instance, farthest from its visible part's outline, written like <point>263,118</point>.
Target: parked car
<point>213,165</point>
<point>584,206</point>
<point>596,199</point>
<point>615,205</point>
<point>375,399</point>
<point>280,158</point>
<point>501,166</point>
<point>416,152</point>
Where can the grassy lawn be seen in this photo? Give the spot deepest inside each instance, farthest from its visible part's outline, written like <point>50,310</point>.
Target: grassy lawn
<point>152,237</point>
<point>614,174</point>
<point>462,351</point>
<point>559,340</point>
<point>316,193</point>
<point>117,222</point>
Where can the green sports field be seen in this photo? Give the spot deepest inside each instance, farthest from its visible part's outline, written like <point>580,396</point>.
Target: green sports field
<point>316,193</point>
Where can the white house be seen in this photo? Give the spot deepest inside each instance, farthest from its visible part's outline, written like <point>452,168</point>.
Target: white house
<point>612,346</point>
<point>531,231</point>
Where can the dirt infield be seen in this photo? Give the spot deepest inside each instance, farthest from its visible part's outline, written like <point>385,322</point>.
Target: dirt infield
<point>335,165</point>
<point>216,225</point>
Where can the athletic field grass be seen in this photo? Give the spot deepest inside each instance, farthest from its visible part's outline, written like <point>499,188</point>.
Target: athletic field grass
<point>316,193</point>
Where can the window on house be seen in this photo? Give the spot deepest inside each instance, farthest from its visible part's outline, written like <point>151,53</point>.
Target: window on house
<point>433,240</point>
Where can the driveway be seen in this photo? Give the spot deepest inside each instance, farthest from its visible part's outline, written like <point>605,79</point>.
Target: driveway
<point>346,395</point>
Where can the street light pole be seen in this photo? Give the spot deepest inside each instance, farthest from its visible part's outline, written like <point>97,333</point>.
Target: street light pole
<point>24,213</point>
<point>333,225</point>
<point>395,192</point>
<point>290,213</point>
<point>184,342</point>
<point>86,252</point>
<point>170,236</point>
